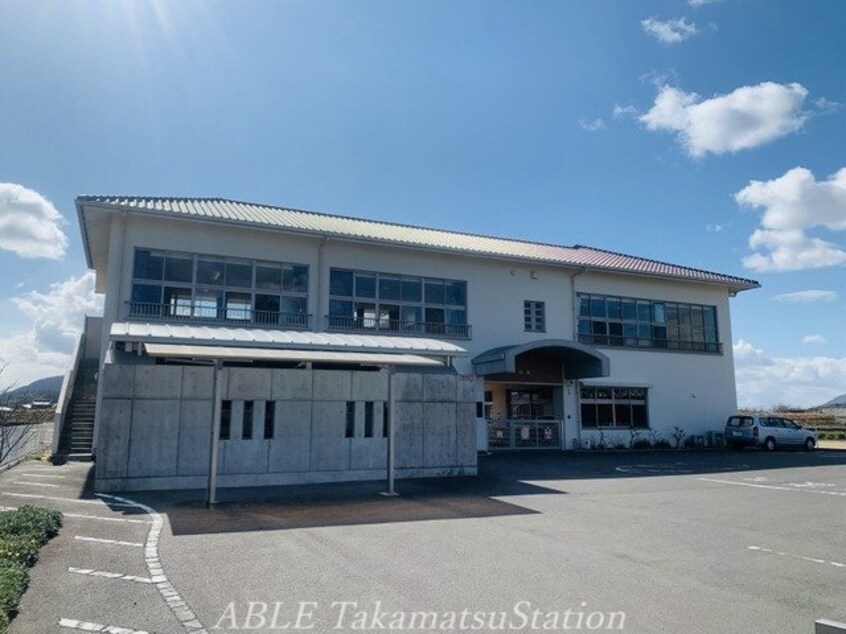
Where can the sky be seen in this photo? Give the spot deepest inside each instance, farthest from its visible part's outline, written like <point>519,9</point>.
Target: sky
<point>708,133</point>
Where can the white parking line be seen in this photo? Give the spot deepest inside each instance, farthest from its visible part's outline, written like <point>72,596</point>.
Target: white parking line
<point>36,484</point>
<point>38,474</point>
<point>47,497</point>
<point>83,516</point>
<point>88,626</point>
<point>815,560</point>
<point>108,575</point>
<point>181,610</point>
<point>99,540</point>
<point>774,487</point>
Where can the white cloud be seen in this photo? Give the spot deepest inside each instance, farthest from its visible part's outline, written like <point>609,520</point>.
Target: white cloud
<point>827,106</point>
<point>807,297</point>
<point>814,339</point>
<point>794,203</point>
<point>801,381</point>
<point>700,3</point>
<point>715,228</point>
<point>625,111</point>
<point>30,226</point>
<point>57,319</point>
<point>745,118</point>
<point>669,31</point>
<point>592,126</point>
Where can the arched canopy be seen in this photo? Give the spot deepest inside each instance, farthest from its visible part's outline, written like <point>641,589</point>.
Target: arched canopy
<point>548,359</point>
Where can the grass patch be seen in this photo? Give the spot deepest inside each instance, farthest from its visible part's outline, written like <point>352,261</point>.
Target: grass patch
<point>22,534</point>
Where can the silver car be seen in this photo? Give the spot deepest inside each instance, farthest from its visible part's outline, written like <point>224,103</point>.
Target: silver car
<point>768,432</point>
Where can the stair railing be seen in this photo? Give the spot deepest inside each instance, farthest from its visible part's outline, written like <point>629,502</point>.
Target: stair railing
<point>63,404</point>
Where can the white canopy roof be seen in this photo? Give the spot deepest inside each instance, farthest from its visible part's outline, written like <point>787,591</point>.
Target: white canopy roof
<point>254,343</point>
<point>226,353</point>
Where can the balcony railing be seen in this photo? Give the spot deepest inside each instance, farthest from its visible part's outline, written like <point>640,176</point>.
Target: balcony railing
<point>616,341</point>
<point>373,325</point>
<point>203,313</point>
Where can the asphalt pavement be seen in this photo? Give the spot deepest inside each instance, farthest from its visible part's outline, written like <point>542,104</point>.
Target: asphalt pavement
<point>654,541</point>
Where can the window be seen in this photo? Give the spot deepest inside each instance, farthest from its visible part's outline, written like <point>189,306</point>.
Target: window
<point>385,420</point>
<point>640,323</point>
<point>349,431</point>
<point>363,300</point>
<point>192,287</point>
<point>225,420</point>
<point>615,407</point>
<point>269,419</point>
<point>247,420</point>
<point>534,316</point>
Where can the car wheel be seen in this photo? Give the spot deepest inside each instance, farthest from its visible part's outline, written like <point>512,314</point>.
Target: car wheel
<point>770,444</point>
<point>810,444</point>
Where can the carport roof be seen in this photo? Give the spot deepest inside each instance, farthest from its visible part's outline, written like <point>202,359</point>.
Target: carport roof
<point>228,353</point>
<point>280,339</point>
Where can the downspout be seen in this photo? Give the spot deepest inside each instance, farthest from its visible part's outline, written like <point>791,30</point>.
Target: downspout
<point>318,318</point>
<point>573,277</point>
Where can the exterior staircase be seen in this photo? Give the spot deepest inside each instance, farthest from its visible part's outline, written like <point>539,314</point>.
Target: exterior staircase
<point>77,436</point>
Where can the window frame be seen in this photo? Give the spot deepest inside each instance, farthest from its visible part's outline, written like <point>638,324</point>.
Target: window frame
<point>532,320</point>
<point>670,326</point>
<point>203,293</point>
<point>612,402</point>
<point>374,312</point>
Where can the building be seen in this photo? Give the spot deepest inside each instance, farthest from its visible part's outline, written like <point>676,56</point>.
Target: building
<point>302,335</point>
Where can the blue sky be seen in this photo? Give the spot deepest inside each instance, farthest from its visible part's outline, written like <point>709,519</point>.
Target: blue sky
<point>630,126</point>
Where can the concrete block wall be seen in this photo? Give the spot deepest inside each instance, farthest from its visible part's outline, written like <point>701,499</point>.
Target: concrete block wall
<point>155,426</point>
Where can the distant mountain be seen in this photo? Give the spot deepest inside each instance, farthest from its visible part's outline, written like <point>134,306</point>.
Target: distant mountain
<point>41,390</point>
<point>839,401</point>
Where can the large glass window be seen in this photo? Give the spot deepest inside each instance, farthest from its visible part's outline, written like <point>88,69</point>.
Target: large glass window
<point>615,407</point>
<point>365,300</point>
<point>641,323</point>
<point>193,287</point>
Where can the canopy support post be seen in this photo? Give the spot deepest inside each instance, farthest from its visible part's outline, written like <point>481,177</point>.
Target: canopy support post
<point>391,492</point>
<point>215,432</point>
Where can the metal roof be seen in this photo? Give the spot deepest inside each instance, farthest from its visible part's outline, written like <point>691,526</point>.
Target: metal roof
<point>320,224</point>
<point>279,339</point>
<point>228,353</point>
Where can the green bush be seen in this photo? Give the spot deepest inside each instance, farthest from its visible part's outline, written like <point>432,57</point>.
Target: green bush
<point>641,443</point>
<point>31,522</point>
<point>14,579</point>
<point>22,533</point>
<point>662,443</point>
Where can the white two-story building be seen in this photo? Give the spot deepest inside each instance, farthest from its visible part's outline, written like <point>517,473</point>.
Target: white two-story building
<point>277,346</point>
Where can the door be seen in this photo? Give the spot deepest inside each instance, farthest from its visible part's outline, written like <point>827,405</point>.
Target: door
<point>792,433</point>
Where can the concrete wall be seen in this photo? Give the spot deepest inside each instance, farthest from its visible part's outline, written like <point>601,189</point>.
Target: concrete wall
<point>155,428</point>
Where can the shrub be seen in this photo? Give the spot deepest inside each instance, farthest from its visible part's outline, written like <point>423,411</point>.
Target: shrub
<point>14,579</point>
<point>641,443</point>
<point>22,533</point>
<point>31,522</point>
<point>662,443</point>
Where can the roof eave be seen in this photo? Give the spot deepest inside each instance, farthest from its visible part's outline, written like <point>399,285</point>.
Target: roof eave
<point>735,285</point>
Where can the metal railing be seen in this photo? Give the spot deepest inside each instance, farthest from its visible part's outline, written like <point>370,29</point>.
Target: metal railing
<point>203,313</point>
<point>644,343</point>
<point>62,405</point>
<point>375,325</point>
<point>525,434</point>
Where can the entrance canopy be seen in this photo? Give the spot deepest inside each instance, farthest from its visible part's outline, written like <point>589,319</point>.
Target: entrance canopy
<point>552,360</point>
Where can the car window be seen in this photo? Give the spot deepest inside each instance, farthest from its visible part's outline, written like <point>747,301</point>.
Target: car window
<point>789,424</point>
<point>739,421</point>
<point>771,422</point>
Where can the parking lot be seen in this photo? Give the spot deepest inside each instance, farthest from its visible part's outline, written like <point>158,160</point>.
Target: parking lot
<point>674,542</point>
